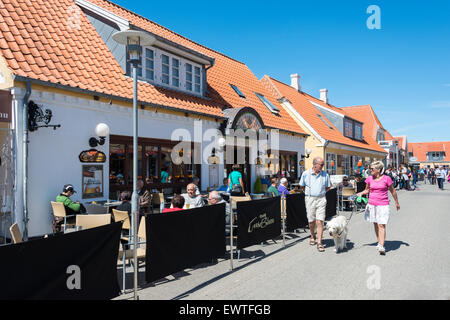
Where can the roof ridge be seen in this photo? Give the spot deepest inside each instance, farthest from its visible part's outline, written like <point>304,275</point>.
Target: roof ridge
<point>171,31</point>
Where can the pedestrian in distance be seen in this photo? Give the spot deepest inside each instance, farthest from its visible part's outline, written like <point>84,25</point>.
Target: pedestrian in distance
<point>315,183</point>
<point>440,176</point>
<point>377,210</point>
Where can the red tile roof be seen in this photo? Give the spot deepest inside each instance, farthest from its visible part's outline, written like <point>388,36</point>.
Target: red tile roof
<point>37,42</point>
<point>301,102</point>
<point>420,149</point>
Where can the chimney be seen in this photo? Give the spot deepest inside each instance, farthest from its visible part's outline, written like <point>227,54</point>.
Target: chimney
<point>295,82</point>
<point>324,95</point>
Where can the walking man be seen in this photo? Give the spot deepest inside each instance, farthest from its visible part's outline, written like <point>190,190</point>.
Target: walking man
<point>440,176</point>
<point>316,183</point>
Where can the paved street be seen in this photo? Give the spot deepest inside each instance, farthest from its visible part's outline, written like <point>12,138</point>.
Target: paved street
<point>416,265</point>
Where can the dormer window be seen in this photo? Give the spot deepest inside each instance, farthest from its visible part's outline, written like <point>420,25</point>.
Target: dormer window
<point>168,70</point>
<point>353,129</point>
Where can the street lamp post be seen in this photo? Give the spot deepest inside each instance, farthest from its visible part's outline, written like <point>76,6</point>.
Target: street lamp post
<point>134,40</point>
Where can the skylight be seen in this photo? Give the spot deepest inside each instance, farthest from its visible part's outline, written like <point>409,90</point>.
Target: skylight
<point>267,103</point>
<point>239,93</point>
<point>328,125</point>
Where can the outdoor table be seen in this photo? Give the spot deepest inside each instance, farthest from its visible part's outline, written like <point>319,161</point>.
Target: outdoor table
<point>114,204</point>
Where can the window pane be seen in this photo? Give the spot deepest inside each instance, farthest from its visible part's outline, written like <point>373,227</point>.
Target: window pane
<point>151,163</point>
<point>117,164</point>
<point>175,72</point>
<point>175,63</point>
<point>130,163</point>
<point>165,69</point>
<point>189,86</point>
<point>149,74</point>
<point>149,53</point>
<point>188,67</point>
<point>197,88</point>
<point>165,59</point>
<point>175,82</point>
<point>189,77</point>
<point>197,71</point>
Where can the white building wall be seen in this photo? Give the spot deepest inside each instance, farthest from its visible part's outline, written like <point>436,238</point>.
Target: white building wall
<point>53,155</point>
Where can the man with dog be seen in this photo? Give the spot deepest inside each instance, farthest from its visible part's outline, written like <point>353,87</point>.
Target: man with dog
<point>315,183</point>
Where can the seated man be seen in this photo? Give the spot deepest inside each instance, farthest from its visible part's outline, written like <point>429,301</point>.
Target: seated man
<point>177,204</point>
<point>191,200</point>
<point>72,208</point>
<point>344,184</point>
<point>215,198</point>
<point>224,187</point>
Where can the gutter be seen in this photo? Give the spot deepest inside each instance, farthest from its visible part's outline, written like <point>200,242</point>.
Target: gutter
<point>25,159</point>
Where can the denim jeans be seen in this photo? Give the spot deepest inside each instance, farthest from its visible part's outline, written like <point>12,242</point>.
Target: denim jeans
<point>440,183</point>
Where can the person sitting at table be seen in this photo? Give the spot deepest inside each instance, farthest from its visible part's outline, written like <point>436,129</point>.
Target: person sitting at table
<point>71,207</point>
<point>282,188</point>
<point>196,182</point>
<point>215,198</point>
<point>191,200</point>
<point>177,204</point>
<point>125,197</point>
<point>145,198</point>
<point>224,187</point>
<point>274,187</point>
<point>344,184</point>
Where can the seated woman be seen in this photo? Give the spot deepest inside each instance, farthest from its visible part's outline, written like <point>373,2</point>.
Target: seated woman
<point>177,204</point>
<point>125,197</point>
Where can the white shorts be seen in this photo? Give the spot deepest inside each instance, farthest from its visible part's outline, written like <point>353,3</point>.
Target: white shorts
<point>315,208</point>
<point>377,214</point>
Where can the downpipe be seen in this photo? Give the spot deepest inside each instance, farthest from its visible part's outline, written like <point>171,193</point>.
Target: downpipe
<point>25,159</point>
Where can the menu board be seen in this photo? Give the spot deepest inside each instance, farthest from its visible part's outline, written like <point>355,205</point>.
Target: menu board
<point>92,181</point>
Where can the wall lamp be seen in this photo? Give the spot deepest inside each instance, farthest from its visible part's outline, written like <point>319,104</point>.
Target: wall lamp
<point>308,153</point>
<point>102,131</point>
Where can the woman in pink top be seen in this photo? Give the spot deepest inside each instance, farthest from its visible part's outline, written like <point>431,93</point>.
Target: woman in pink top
<point>377,211</point>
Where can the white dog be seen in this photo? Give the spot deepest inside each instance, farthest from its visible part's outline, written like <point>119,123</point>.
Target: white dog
<point>337,228</point>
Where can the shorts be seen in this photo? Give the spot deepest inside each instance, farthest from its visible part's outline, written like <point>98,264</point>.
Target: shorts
<point>377,214</point>
<point>315,208</point>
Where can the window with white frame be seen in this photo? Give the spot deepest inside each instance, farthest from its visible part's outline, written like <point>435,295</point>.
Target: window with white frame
<point>162,68</point>
<point>197,79</point>
<point>346,165</point>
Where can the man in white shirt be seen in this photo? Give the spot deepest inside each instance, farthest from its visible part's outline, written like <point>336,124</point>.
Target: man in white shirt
<point>191,200</point>
<point>316,183</point>
<point>440,176</point>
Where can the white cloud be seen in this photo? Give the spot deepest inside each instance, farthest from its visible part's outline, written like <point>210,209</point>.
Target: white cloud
<point>419,126</point>
<point>440,105</point>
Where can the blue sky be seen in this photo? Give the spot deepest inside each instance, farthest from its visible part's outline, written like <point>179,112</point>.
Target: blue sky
<point>402,69</point>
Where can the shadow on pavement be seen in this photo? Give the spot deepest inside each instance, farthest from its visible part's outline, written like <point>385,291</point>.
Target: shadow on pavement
<point>390,245</point>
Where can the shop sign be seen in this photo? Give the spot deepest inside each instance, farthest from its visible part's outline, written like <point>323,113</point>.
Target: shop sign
<point>92,156</point>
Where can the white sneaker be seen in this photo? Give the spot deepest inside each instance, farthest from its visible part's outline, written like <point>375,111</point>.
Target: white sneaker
<point>381,250</point>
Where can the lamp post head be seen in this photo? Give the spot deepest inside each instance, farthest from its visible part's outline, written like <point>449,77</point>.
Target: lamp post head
<point>134,40</point>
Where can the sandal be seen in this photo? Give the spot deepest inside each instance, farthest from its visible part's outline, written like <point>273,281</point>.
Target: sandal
<point>312,242</point>
<point>320,247</point>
